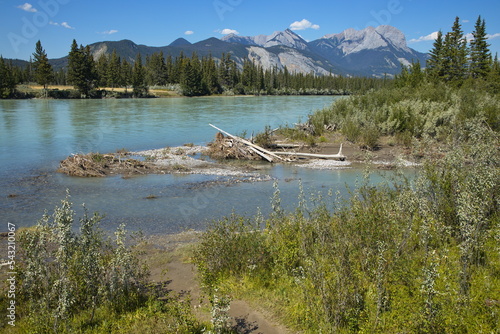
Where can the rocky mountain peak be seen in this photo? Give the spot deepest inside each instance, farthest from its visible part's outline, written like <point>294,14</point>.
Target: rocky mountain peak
<point>352,40</point>
<point>286,38</point>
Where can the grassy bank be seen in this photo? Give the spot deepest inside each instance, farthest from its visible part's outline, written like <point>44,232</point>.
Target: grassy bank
<point>423,116</point>
<point>69,92</point>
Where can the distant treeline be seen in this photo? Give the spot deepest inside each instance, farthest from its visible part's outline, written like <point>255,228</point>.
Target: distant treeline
<point>190,75</point>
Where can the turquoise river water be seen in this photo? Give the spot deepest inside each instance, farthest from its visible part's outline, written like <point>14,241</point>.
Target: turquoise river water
<point>35,135</point>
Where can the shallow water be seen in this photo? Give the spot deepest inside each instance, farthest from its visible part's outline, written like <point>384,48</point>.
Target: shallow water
<point>36,134</point>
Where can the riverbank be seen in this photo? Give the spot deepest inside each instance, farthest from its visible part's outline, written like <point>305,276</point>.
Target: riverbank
<point>169,258</point>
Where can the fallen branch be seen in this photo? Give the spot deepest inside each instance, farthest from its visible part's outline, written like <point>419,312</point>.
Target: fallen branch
<point>268,155</point>
<point>339,155</point>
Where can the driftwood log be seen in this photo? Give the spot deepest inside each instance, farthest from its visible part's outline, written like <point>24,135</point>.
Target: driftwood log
<point>268,155</point>
<point>338,156</point>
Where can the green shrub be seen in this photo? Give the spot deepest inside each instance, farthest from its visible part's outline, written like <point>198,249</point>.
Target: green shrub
<point>64,273</point>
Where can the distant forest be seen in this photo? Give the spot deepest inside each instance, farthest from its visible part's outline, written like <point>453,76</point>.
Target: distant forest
<point>452,60</point>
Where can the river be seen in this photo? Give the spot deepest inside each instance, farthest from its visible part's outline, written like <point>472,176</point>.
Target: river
<point>35,135</point>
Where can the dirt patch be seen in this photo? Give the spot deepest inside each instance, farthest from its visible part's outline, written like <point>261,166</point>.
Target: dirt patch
<point>169,262</point>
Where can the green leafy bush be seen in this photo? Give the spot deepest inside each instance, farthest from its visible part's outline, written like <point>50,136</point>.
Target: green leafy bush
<point>64,273</point>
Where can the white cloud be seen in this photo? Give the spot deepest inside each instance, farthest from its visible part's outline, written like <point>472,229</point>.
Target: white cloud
<point>465,21</point>
<point>229,31</point>
<point>302,25</point>
<point>490,36</point>
<point>66,25</point>
<point>28,8</point>
<point>433,36</point>
<point>189,32</point>
<point>108,32</point>
<point>430,37</point>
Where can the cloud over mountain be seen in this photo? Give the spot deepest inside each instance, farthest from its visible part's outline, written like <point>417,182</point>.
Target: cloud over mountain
<point>430,37</point>
<point>229,31</point>
<point>303,25</point>
<point>109,32</point>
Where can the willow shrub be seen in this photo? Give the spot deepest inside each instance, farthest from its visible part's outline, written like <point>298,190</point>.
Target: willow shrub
<point>412,257</point>
<point>433,110</point>
<point>64,273</point>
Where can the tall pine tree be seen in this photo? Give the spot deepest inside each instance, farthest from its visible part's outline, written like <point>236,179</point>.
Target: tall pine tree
<point>455,54</point>
<point>435,62</point>
<point>480,56</point>
<point>7,82</point>
<point>82,72</point>
<point>139,78</point>
<point>43,70</point>
<point>113,72</point>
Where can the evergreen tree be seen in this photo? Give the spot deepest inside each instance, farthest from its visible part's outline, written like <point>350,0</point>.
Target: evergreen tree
<point>102,70</point>
<point>156,70</point>
<point>43,70</point>
<point>169,65</point>
<point>455,54</point>
<point>125,73</point>
<point>81,69</point>
<point>210,77</point>
<point>480,56</point>
<point>113,72</point>
<point>191,77</point>
<point>139,78</point>
<point>7,82</point>
<point>435,62</point>
<point>28,72</point>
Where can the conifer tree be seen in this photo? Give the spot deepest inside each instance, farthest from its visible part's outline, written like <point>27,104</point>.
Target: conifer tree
<point>102,66</point>
<point>191,77</point>
<point>113,72</point>
<point>139,78</point>
<point>435,62</point>
<point>43,70</point>
<point>81,69</point>
<point>210,77</point>
<point>7,83</point>
<point>156,69</point>
<point>455,54</point>
<point>125,73</point>
<point>480,56</point>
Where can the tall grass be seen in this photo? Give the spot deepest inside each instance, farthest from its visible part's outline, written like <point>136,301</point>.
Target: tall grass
<point>412,257</point>
<point>430,110</point>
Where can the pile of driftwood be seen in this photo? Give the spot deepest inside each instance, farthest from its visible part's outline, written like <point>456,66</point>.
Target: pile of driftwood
<point>99,165</point>
<point>234,147</point>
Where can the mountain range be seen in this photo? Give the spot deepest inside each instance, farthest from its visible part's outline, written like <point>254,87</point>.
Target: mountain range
<point>368,52</point>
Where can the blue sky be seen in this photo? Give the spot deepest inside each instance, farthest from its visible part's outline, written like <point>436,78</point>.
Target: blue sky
<point>157,23</point>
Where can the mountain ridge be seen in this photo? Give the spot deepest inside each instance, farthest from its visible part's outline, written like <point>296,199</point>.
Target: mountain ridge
<point>373,51</point>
